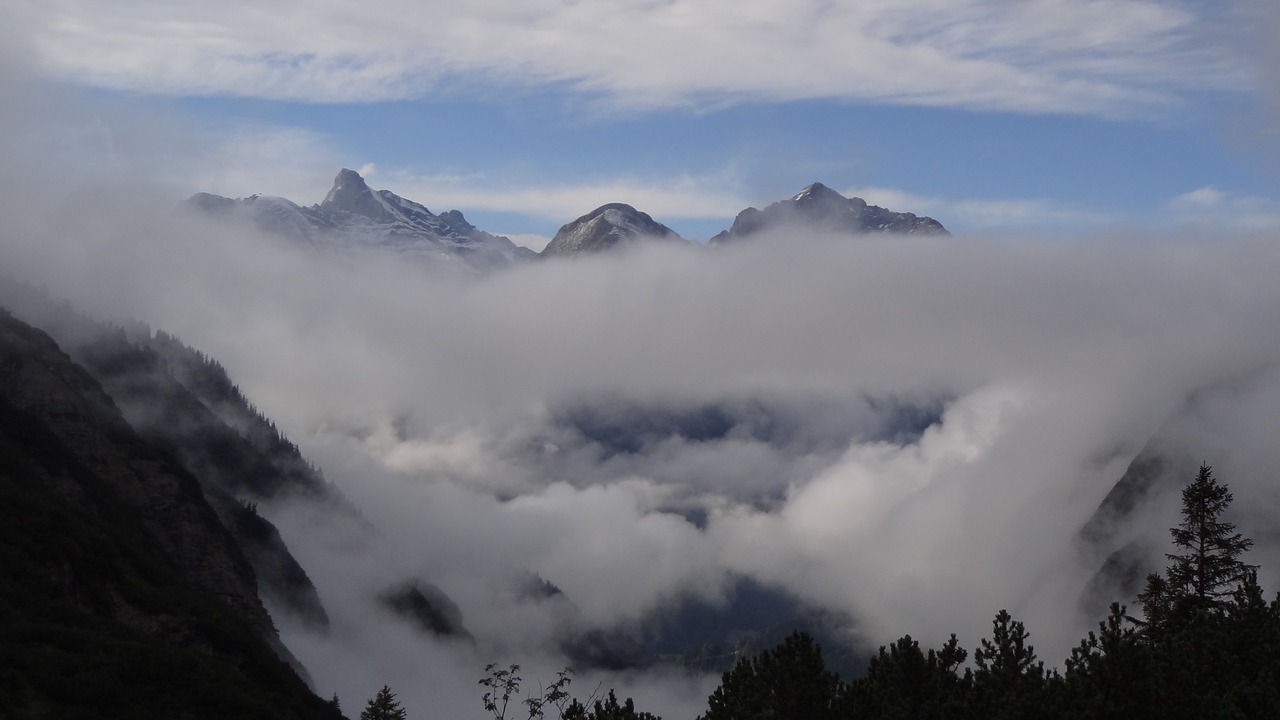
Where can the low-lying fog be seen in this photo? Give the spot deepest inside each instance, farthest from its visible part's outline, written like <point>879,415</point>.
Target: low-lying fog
<point>906,432</point>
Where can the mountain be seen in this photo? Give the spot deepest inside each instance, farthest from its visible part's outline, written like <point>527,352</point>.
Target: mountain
<point>354,218</point>
<point>195,463</point>
<point>820,208</point>
<point>182,402</point>
<point>124,593</point>
<point>608,226</point>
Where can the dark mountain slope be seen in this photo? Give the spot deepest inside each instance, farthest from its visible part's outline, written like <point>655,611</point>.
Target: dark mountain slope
<point>181,401</point>
<point>124,596</point>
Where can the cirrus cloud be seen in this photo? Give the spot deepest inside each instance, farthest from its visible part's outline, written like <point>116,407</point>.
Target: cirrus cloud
<point>1094,58</point>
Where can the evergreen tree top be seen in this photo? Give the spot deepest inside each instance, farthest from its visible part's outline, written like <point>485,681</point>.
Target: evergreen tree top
<point>383,706</point>
<point>1206,566</point>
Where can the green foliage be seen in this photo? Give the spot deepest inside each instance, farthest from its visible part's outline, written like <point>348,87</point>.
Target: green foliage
<point>1008,679</point>
<point>789,681</point>
<point>504,683</point>
<point>1109,674</point>
<point>1209,647</point>
<point>607,709</point>
<point>903,681</point>
<point>383,706</point>
<point>1205,568</point>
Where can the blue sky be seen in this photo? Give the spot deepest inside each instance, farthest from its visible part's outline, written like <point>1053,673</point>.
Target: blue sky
<point>1050,117</point>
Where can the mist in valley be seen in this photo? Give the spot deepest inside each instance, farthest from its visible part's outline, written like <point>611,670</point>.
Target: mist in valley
<point>900,434</point>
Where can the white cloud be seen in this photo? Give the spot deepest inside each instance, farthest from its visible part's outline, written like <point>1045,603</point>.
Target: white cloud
<point>1205,197</point>
<point>432,403</point>
<point>1210,208</point>
<point>254,159</point>
<point>529,240</point>
<point>1111,58</point>
<point>990,214</point>
<point>682,196</point>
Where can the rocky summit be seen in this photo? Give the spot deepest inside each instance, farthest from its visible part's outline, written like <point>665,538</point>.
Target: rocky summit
<point>818,207</point>
<point>606,227</point>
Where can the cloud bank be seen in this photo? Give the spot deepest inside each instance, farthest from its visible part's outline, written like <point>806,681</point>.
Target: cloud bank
<point>470,421</point>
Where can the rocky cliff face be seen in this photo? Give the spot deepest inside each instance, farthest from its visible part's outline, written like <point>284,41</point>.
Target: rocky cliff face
<point>819,208</point>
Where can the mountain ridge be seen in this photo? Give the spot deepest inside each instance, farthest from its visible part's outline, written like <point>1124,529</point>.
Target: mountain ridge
<point>818,207</point>
<point>353,217</point>
<point>124,593</point>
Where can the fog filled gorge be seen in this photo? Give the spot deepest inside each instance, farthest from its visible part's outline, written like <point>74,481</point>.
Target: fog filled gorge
<point>903,434</point>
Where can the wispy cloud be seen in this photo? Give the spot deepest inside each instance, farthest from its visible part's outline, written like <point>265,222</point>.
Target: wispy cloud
<point>991,214</point>
<point>265,159</point>
<point>680,197</point>
<point>529,240</point>
<point>1061,56</point>
<point>1210,208</point>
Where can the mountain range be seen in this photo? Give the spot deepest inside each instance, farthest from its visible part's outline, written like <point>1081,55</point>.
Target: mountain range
<point>354,218</point>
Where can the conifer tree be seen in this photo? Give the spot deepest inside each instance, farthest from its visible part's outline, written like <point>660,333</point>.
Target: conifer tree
<point>1206,568</point>
<point>383,706</point>
<point>789,682</point>
<point>1006,663</point>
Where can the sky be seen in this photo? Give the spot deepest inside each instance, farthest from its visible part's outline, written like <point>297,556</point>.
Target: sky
<point>1107,169</point>
<point>1049,116</point>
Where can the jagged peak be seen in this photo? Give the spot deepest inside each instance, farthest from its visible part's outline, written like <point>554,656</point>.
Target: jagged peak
<point>818,192</point>
<point>350,193</point>
<point>347,182</point>
<point>820,207</point>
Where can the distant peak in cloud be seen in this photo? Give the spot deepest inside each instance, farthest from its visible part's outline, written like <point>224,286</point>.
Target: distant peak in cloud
<point>350,193</point>
<point>819,207</point>
<point>817,192</point>
<point>606,227</point>
<point>353,218</point>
